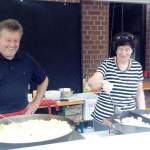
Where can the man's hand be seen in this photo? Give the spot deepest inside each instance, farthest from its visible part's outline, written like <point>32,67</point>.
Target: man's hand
<point>31,108</point>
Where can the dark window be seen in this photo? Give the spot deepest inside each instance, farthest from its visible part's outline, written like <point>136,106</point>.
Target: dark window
<point>129,18</point>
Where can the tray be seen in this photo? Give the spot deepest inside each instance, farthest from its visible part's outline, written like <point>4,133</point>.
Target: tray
<point>119,128</point>
<point>142,113</point>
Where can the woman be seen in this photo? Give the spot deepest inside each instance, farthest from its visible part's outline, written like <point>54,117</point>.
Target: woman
<point>120,79</point>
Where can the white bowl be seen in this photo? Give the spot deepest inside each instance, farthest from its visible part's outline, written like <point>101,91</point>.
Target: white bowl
<point>53,94</point>
<point>65,89</point>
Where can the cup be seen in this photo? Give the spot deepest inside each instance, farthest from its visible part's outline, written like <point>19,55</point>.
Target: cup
<point>65,92</point>
<point>29,97</point>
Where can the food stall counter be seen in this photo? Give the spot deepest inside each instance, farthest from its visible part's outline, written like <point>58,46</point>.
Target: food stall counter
<point>136,141</point>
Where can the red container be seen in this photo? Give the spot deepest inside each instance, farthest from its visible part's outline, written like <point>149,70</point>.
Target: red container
<point>146,74</point>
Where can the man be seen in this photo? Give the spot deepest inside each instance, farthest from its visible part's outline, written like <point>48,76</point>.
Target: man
<point>17,70</point>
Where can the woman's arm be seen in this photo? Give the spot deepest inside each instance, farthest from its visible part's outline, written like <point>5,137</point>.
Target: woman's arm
<point>96,82</point>
<point>140,97</point>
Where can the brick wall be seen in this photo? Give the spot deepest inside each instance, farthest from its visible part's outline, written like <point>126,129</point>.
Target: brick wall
<point>95,34</point>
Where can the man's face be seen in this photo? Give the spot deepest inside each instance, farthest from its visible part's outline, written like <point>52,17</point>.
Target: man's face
<point>9,43</point>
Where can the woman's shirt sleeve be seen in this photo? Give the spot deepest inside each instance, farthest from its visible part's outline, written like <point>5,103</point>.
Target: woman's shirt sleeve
<point>102,68</point>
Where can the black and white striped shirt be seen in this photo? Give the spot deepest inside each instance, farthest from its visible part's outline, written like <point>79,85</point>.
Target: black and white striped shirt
<point>124,88</point>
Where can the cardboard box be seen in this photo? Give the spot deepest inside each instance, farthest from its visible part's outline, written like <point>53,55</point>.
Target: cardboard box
<point>74,112</point>
<point>88,108</point>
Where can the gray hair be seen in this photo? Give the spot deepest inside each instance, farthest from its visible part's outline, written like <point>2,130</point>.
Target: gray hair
<point>11,25</point>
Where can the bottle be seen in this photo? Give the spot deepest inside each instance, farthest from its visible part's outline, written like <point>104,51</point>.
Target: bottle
<point>29,96</point>
<point>86,88</point>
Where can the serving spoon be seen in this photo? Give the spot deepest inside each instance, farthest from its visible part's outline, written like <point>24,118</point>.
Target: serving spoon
<point>117,110</point>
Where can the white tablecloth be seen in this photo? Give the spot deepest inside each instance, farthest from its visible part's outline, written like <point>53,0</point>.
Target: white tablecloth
<point>93,141</point>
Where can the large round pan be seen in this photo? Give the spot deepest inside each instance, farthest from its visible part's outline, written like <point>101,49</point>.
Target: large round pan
<point>23,118</point>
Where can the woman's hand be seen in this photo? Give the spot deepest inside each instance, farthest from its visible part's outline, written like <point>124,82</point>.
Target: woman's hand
<point>96,82</point>
<point>107,86</point>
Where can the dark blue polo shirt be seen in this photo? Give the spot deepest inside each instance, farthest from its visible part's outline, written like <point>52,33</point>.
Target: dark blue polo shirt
<point>15,76</point>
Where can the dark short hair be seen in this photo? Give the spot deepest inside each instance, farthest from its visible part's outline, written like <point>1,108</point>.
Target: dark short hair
<point>12,25</point>
<point>124,38</point>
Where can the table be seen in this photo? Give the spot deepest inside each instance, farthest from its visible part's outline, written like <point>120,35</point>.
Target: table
<point>146,88</point>
<point>134,141</point>
<point>70,102</point>
<point>47,103</point>
<point>146,84</point>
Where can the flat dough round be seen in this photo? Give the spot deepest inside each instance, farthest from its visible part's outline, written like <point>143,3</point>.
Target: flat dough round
<point>34,131</point>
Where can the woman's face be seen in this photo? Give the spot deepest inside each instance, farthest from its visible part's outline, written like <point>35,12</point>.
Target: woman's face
<point>124,52</point>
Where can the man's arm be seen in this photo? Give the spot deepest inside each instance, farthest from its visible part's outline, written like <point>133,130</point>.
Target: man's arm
<point>140,97</point>
<point>33,106</point>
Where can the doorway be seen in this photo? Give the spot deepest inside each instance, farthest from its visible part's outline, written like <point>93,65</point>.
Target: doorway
<point>131,18</point>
